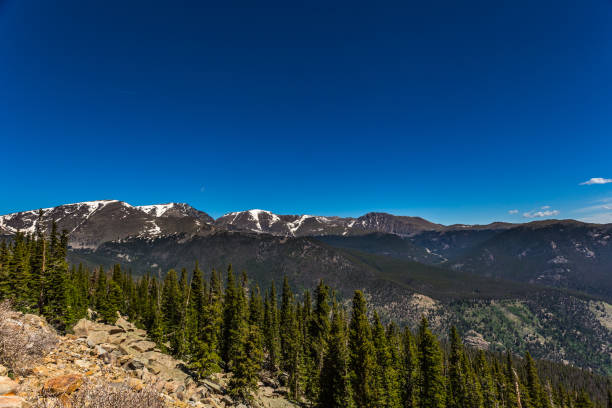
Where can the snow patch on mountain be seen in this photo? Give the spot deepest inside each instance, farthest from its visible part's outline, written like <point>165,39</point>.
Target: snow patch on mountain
<point>156,210</point>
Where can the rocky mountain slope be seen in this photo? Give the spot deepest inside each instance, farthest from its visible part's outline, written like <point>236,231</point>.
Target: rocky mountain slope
<point>314,225</point>
<point>94,222</point>
<point>486,276</point>
<point>109,362</point>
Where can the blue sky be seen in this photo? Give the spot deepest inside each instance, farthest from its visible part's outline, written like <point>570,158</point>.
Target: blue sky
<point>460,112</point>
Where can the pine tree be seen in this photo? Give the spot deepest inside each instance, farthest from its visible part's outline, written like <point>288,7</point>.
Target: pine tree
<point>361,352</point>
<point>386,383</point>
<point>213,319</point>
<point>5,287</point>
<point>102,304</point>
<point>511,385</point>
<point>234,319</point>
<point>430,380</point>
<point>294,349</point>
<point>246,364</point>
<point>171,308</point>
<point>457,384</point>
<point>318,331</point>
<point>583,401</point>
<point>285,325</point>
<point>335,391</point>
<point>487,385</point>
<point>408,369</point>
<point>271,329</point>
<point>537,395</point>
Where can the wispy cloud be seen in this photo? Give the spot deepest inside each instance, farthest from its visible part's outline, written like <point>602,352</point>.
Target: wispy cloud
<point>603,218</point>
<point>597,207</point>
<point>596,180</point>
<point>513,211</point>
<point>545,207</point>
<point>541,213</point>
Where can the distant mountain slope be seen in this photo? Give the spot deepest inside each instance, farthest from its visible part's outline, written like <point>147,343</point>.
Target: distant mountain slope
<point>549,323</point>
<point>565,254</point>
<point>314,225</point>
<point>94,222</point>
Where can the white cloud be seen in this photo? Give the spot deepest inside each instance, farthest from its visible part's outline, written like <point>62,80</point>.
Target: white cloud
<point>596,180</point>
<point>595,208</point>
<point>541,213</point>
<point>513,211</point>
<point>545,207</point>
<point>603,218</point>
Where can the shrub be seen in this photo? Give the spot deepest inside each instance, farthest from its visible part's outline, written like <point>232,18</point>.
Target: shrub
<point>104,395</point>
<point>23,339</point>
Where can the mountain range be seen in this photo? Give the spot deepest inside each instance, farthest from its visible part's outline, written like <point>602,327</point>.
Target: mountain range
<point>543,286</point>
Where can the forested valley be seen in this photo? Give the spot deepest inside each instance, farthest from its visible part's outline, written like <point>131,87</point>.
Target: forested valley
<point>329,353</point>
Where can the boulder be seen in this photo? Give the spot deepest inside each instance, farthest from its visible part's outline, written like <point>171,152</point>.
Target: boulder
<point>134,365</point>
<point>216,388</point>
<point>97,337</point>
<point>117,338</point>
<point>8,386</point>
<point>84,364</point>
<point>124,324</point>
<point>143,346</point>
<point>3,370</point>
<point>13,402</point>
<point>64,384</point>
<point>135,384</point>
<point>82,328</point>
<point>210,402</point>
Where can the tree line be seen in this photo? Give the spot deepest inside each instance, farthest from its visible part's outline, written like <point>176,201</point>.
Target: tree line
<point>329,354</point>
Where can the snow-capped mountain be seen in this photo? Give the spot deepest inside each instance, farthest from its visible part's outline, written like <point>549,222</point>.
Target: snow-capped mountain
<point>91,223</point>
<point>315,225</point>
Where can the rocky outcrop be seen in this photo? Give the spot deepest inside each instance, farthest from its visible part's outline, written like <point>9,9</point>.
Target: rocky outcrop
<point>111,360</point>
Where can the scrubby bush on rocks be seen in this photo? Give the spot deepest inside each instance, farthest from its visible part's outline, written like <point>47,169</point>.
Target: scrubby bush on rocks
<point>23,339</point>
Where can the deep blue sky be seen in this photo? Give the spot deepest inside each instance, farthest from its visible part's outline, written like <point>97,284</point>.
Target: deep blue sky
<point>455,111</point>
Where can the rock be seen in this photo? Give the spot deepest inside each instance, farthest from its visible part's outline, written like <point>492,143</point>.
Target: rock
<point>210,402</point>
<point>82,363</point>
<point>81,329</point>
<point>143,346</point>
<point>270,382</point>
<point>476,340</point>
<point>3,370</point>
<point>117,338</point>
<point>13,402</point>
<point>140,333</point>
<point>64,384</point>
<point>99,350</point>
<point>213,387</point>
<point>96,338</point>
<point>126,350</point>
<point>40,371</point>
<point>124,324</point>
<point>199,394</point>
<point>8,386</point>
<point>135,384</point>
<point>135,365</point>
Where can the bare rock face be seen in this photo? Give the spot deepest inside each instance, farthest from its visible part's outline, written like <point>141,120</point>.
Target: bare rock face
<point>8,386</point>
<point>476,340</point>
<point>99,359</point>
<point>63,384</point>
<point>12,402</point>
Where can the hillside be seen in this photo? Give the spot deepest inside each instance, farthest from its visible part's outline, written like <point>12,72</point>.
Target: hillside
<point>104,366</point>
<point>491,277</point>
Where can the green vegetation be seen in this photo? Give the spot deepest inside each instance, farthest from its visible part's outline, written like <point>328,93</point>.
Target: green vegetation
<point>327,359</point>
